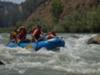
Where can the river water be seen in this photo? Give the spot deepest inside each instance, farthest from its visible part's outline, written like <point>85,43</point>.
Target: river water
<point>76,58</point>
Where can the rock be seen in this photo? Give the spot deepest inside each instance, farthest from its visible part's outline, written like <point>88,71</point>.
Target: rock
<point>94,40</point>
<point>2,63</point>
<point>1,39</point>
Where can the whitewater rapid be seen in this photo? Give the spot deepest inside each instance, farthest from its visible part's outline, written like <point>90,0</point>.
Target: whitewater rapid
<point>75,58</point>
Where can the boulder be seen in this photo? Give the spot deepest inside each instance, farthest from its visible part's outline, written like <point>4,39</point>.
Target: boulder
<point>1,39</point>
<point>94,40</point>
<point>2,63</point>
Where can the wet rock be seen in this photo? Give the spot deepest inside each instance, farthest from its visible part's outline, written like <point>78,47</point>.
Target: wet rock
<point>0,39</point>
<point>2,63</point>
<point>94,40</point>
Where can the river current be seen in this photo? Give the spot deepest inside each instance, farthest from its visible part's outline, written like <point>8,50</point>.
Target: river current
<point>76,58</point>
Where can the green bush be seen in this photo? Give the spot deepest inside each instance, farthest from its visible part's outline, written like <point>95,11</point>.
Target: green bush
<point>83,21</point>
<point>57,9</point>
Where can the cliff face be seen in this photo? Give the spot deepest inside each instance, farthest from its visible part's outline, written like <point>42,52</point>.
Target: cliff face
<point>30,6</point>
<point>11,13</point>
<point>44,10</point>
<point>8,13</point>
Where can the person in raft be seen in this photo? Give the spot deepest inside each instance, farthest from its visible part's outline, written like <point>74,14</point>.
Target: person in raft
<point>36,33</point>
<point>13,35</point>
<point>21,33</point>
<point>51,35</point>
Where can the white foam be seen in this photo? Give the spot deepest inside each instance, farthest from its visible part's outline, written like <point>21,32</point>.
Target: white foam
<point>76,57</point>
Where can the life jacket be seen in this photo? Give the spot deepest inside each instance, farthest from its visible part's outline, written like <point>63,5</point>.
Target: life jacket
<point>36,31</point>
<point>22,34</point>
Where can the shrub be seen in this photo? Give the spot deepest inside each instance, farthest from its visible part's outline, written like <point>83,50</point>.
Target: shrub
<point>57,9</point>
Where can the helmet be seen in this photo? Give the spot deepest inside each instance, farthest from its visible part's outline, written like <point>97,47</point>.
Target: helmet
<point>21,28</point>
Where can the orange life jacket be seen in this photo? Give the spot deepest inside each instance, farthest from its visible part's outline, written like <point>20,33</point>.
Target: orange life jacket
<point>22,34</point>
<point>36,31</point>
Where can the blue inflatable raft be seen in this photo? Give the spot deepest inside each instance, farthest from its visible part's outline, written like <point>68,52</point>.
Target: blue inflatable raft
<point>48,44</point>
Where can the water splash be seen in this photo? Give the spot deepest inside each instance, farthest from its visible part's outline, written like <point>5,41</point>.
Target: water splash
<point>76,58</point>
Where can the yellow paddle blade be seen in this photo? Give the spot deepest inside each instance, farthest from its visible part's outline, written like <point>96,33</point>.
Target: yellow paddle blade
<point>29,47</point>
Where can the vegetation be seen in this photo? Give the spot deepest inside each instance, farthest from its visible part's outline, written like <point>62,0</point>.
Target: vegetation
<point>38,21</point>
<point>81,19</point>
<point>57,9</point>
<point>5,30</point>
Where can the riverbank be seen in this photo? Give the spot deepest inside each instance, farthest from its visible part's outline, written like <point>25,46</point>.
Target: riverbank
<point>5,30</point>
